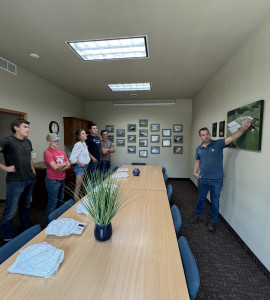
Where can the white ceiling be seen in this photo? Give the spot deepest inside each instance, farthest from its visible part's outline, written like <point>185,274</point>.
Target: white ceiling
<point>188,41</point>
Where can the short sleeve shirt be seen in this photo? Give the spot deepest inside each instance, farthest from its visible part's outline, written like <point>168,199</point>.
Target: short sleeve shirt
<point>106,145</point>
<point>59,157</point>
<point>93,144</point>
<point>18,153</point>
<point>211,159</point>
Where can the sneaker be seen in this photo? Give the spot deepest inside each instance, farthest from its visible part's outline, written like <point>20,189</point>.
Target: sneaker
<point>196,219</point>
<point>212,226</point>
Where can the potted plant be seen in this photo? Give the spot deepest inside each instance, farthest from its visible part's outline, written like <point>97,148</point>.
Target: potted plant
<point>102,199</point>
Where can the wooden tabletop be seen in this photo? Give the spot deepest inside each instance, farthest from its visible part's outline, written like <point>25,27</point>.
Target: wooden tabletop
<point>140,261</point>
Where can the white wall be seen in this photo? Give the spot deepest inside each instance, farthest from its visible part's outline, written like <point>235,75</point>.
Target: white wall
<point>245,201</point>
<point>104,113</point>
<point>42,101</point>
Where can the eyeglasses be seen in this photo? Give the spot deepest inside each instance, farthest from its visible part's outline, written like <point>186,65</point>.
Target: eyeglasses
<point>202,129</point>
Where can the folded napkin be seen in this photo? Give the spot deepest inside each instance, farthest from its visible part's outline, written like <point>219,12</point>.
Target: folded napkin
<point>64,227</point>
<point>41,260</point>
<point>122,170</point>
<point>120,175</point>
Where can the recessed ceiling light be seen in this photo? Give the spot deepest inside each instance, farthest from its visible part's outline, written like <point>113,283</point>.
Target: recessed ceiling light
<point>34,55</point>
<point>120,48</point>
<point>124,87</point>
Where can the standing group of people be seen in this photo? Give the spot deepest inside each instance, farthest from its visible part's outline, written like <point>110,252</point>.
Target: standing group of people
<point>88,154</point>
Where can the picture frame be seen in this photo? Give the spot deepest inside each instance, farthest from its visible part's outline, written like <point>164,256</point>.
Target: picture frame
<point>143,123</point>
<point>131,127</point>
<point>131,138</point>
<point>221,132</point>
<point>166,132</point>
<point>111,138</point>
<point>143,153</point>
<point>214,129</point>
<point>166,143</point>
<point>177,149</point>
<point>143,133</point>
<point>109,128</point>
<point>143,142</point>
<point>120,132</point>
<point>155,138</point>
<point>178,128</point>
<point>120,142</point>
<point>178,139</point>
<point>155,149</point>
<point>131,149</point>
<point>155,127</point>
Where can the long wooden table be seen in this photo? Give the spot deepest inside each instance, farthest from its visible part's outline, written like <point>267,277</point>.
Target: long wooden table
<point>140,261</point>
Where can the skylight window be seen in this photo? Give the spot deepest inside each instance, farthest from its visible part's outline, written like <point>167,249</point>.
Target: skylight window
<point>122,48</point>
<point>124,87</point>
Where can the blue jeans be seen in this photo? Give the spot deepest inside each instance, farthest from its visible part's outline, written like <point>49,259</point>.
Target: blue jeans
<point>18,194</point>
<point>105,166</point>
<point>93,168</point>
<point>79,170</point>
<point>215,187</point>
<point>55,190</point>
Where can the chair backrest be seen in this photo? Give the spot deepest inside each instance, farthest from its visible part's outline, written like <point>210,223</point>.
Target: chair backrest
<point>177,219</point>
<point>141,164</point>
<point>163,170</point>
<point>190,267</point>
<point>115,168</point>
<point>60,210</point>
<point>20,240</point>
<point>169,192</point>
<point>165,176</point>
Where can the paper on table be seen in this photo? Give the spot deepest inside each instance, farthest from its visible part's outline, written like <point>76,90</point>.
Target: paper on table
<point>65,226</point>
<point>120,175</point>
<point>122,170</point>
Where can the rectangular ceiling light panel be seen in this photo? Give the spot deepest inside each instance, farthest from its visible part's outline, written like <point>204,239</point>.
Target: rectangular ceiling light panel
<point>125,87</point>
<point>121,48</point>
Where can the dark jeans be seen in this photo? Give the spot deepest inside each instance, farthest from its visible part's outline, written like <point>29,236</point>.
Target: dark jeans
<point>18,194</point>
<point>215,187</point>
<point>92,168</point>
<point>55,190</point>
<point>105,166</point>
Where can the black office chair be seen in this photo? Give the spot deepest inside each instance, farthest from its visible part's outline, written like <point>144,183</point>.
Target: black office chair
<point>190,267</point>
<point>141,164</point>
<point>115,168</point>
<point>20,240</point>
<point>60,210</point>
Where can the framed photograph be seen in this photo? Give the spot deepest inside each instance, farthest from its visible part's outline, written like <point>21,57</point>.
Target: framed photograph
<point>120,132</point>
<point>178,139</point>
<point>143,133</point>
<point>109,128</point>
<point>221,129</point>
<point>143,123</point>
<point>178,150</point>
<point>143,142</point>
<point>120,142</point>
<point>131,138</point>
<point>214,129</point>
<point>177,128</point>
<point>166,132</point>
<point>131,127</point>
<point>131,149</point>
<point>251,139</point>
<point>155,150</point>
<point>154,127</point>
<point>111,138</point>
<point>155,138</point>
<point>143,153</point>
<point>166,143</point>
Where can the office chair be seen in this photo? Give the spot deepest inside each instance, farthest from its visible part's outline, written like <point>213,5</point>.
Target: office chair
<point>60,210</point>
<point>141,164</point>
<point>163,170</point>
<point>20,240</point>
<point>165,176</point>
<point>169,192</point>
<point>177,218</point>
<point>190,267</point>
<point>115,168</point>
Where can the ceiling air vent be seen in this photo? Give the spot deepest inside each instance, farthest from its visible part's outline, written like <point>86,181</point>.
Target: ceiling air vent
<point>8,66</point>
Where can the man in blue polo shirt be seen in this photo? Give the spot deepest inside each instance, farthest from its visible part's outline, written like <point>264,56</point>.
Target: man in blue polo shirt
<point>209,161</point>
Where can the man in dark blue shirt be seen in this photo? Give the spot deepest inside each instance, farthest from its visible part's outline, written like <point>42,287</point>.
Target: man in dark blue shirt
<point>93,144</point>
<point>209,160</point>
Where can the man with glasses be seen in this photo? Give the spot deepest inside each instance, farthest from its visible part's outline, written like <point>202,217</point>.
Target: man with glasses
<point>106,149</point>
<point>208,169</point>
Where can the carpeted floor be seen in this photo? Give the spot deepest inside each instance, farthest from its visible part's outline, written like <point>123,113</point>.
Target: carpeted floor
<point>226,270</point>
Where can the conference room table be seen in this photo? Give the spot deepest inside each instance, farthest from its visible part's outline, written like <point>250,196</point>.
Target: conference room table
<point>140,261</point>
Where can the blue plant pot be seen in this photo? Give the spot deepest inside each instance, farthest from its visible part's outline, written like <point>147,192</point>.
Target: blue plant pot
<point>103,232</point>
